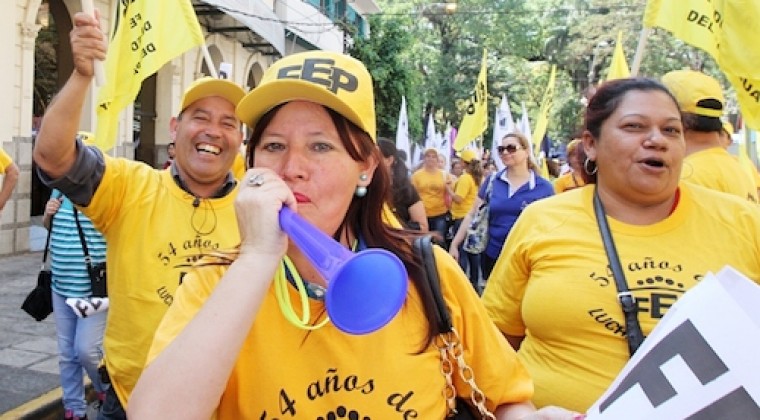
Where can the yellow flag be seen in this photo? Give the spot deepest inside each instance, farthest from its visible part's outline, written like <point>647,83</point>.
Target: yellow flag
<point>475,121</point>
<point>145,36</point>
<point>726,30</point>
<point>618,66</point>
<point>542,122</point>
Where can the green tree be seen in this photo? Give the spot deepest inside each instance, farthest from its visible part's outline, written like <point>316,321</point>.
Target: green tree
<point>386,55</point>
<point>524,38</point>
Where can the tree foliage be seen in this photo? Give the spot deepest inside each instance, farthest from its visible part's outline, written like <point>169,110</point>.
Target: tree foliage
<point>387,56</point>
<point>45,68</point>
<point>523,39</point>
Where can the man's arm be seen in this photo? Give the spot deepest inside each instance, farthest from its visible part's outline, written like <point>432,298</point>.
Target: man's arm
<point>55,149</point>
<point>9,183</point>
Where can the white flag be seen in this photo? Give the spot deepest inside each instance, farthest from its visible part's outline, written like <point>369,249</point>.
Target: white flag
<point>503,124</point>
<point>431,139</point>
<point>402,133</point>
<point>524,127</point>
<point>446,144</point>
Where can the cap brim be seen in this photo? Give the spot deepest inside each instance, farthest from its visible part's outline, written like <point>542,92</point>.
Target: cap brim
<point>265,97</point>
<point>214,87</point>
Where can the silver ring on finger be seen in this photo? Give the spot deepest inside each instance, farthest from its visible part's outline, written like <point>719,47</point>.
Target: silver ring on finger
<point>256,180</point>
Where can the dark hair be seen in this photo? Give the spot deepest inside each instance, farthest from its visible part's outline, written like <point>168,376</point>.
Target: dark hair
<point>401,186</point>
<point>609,96</point>
<point>365,214</point>
<point>701,123</point>
<point>475,169</point>
<point>606,101</point>
<point>552,166</point>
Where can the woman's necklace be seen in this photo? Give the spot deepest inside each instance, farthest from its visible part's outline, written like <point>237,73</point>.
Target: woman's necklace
<point>283,297</point>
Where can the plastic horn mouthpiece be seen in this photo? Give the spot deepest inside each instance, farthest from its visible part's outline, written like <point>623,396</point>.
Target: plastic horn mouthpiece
<point>365,290</point>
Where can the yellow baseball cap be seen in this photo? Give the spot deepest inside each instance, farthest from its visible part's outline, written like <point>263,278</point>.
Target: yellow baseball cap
<point>468,155</point>
<point>696,92</point>
<point>209,86</point>
<point>334,80</point>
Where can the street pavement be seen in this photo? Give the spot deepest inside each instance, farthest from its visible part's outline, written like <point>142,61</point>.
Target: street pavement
<point>29,382</point>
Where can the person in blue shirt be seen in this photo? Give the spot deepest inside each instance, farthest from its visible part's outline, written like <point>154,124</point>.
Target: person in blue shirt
<point>514,187</point>
<point>80,318</point>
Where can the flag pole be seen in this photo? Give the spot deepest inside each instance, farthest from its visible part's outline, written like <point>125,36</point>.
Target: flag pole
<point>643,36</point>
<point>100,73</point>
<point>209,61</point>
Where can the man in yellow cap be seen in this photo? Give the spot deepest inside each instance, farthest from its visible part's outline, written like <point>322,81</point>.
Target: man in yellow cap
<point>707,163</point>
<point>10,173</point>
<point>156,222</point>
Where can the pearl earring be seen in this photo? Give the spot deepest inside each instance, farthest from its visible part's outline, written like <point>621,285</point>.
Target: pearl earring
<point>361,191</point>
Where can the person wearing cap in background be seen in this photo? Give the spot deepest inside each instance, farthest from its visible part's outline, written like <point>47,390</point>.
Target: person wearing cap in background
<point>80,318</point>
<point>457,168</point>
<point>726,140</point>
<point>707,162</point>
<point>225,345</point>
<point>156,222</point>
<point>10,173</point>
<point>432,183</point>
<point>463,196</point>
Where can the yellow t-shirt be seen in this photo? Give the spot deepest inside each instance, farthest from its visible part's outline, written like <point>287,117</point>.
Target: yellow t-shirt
<point>467,189</point>
<point>567,182</point>
<point>431,188</point>
<point>286,372</point>
<point>717,169</point>
<point>750,167</point>
<point>551,283</point>
<point>154,234</point>
<point>238,166</point>
<point>5,161</point>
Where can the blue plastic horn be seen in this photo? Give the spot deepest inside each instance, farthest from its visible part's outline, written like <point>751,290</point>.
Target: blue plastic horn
<point>365,290</point>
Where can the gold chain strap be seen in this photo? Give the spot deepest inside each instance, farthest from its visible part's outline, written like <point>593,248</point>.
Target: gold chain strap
<point>450,347</point>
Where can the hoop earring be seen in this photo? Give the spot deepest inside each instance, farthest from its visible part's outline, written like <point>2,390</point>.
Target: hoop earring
<point>586,169</point>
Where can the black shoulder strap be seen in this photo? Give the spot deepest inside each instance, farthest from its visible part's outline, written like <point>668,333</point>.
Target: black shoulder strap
<point>49,233</point>
<point>87,259</point>
<point>627,302</point>
<point>47,243</point>
<point>423,246</point>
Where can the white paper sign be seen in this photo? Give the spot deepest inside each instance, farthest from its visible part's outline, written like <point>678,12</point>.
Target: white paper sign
<point>225,71</point>
<point>700,362</point>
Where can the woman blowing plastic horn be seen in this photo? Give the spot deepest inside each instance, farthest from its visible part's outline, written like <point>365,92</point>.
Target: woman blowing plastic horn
<point>225,345</point>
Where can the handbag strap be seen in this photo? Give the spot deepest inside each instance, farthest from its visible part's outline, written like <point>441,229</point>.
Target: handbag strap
<point>423,246</point>
<point>489,188</point>
<point>448,342</point>
<point>49,233</point>
<point>85,250</point>
<point>47,243</point>
<point>630,307</point>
